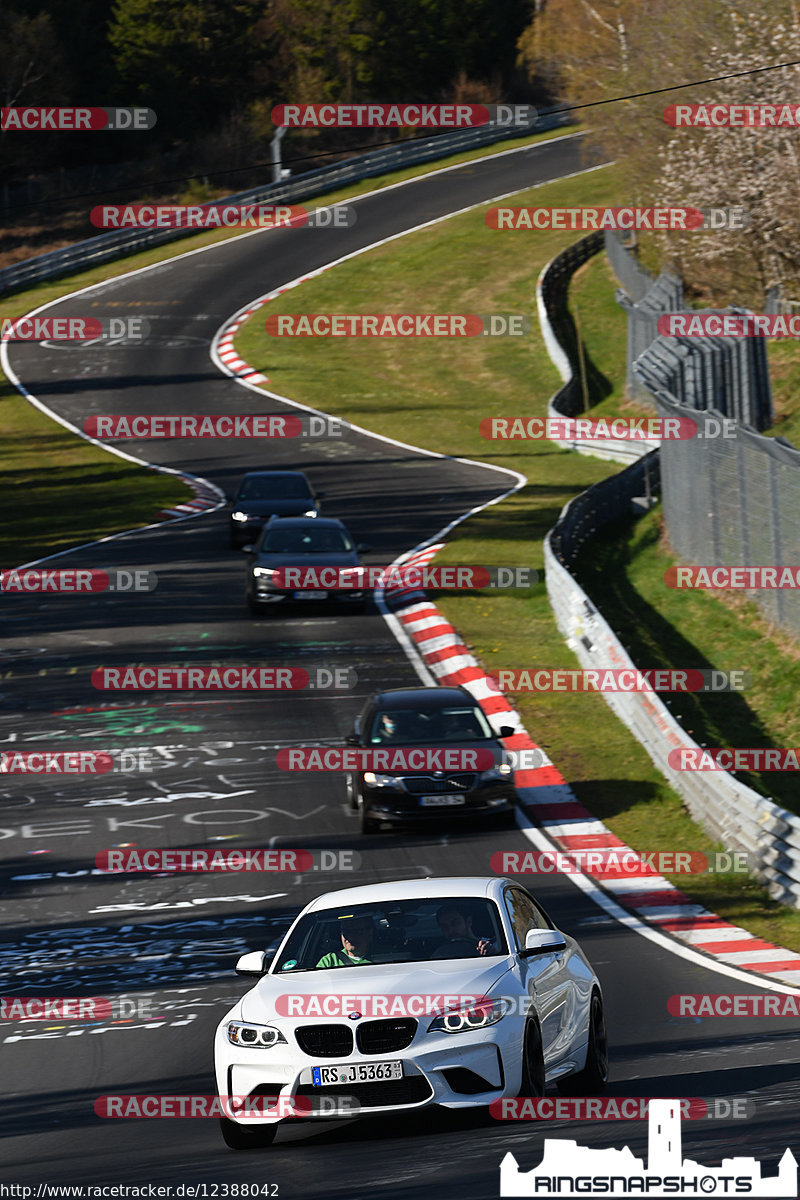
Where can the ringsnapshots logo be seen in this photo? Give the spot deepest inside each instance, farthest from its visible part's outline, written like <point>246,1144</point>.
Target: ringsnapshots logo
<point>74,329</point>
<point>221,216</point>
<point>76,581</point>
<point>618,679</point>
<point>570,1170</point>
<point>398,325</point>
<point>147,426</point>
<point>159,862</point>
<point>74,120</point>
<point>670,218</point>
<point>401,116</point>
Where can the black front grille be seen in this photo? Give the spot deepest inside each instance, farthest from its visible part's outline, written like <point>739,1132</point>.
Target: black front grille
<point>325,1041</point>
<point>419,785</point>
<point>411,1089</point>
<point>384,1037</point>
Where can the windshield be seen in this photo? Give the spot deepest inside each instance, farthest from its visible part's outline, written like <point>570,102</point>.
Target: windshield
<point>305,541</point>
<point>272,487</point>
<point>409,726</point>
<point>405,931</point>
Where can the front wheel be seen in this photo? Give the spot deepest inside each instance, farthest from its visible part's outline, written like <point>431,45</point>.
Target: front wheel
<point>366,821</point>
<point>246,1137</point>
<point>593,1078</point>
<point>533,1080</point>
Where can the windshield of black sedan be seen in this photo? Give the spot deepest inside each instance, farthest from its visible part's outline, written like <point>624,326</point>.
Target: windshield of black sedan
<point>266,487</point>
<point>311,541</point>
<point>406,931</point>
<point>411,727</point>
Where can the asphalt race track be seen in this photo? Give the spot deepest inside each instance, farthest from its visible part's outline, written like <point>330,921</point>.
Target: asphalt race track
<point>169,943</point>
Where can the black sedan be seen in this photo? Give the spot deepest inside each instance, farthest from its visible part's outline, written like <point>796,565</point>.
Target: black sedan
<point>265,494</point>
<point>296,555</point>
<point>429,717</point>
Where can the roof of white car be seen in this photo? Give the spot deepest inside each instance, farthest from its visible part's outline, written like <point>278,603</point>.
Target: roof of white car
<point>411,889</point>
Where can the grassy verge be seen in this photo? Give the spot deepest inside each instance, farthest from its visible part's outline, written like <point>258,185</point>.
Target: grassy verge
<point>63,491</point>
<point>434,394</point>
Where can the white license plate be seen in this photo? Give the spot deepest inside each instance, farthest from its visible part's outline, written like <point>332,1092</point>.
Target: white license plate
<point>358,1072</point>
<point>310,595</point>
<point>442,801</point>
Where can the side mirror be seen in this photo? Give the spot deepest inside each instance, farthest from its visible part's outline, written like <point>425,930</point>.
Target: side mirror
<point>363,548</point>
<point>252,963</point>
<point>351,739</point>
<point>507,731</point>
<point>543,941</point>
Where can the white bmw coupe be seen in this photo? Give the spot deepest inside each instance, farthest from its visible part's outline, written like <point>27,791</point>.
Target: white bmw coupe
<point>393,996</point>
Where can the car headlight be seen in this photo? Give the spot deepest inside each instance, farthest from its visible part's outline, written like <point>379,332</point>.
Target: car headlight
<point>258,1036</point>
<point>312,512</point>
<point>263,572</point>
<point>477,1016</point>
<point>498,771</point>
<point>380,780</point>
<point>238,515</point>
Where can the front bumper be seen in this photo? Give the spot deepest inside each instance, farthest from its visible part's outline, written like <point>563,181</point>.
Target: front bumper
<point>402,807</point>
<point>461,1070</point>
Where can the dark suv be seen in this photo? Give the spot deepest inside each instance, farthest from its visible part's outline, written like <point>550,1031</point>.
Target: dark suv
<point>265,494</point>
<point>429,717</point>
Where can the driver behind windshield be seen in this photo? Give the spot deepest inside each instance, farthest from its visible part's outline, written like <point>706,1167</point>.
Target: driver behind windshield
<point>458,928</point>
<point>357,934</point>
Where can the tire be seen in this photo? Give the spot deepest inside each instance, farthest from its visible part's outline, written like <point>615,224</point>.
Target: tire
<point>352,793</point>
<point>367,823</point>
<point>246,1137</point>
<point>533,1079</point>
<point>255,609</point>
<point>592,1080</point>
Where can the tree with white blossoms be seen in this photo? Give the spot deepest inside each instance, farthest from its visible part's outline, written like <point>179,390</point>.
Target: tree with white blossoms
<point>601,49</point>
<point>755,168</point>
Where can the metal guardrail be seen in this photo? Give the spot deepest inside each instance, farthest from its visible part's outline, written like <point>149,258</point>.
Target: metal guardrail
<point>730,811</point>
<point>561,340</point>
<point>119,243</point>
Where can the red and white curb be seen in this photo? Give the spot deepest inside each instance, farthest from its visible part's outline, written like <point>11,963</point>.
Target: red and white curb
<point>551,803</point>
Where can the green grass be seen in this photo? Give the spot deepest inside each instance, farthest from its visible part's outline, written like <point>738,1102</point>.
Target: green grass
<point>434,394</point>
<point>63,491</point>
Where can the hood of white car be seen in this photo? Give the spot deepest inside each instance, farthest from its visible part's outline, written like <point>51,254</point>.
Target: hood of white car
<point>445,977</point>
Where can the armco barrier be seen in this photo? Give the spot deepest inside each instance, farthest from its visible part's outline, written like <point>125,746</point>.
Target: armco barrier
<point>561,339</point>
<point>119,243</point>
<point>731,812</point>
